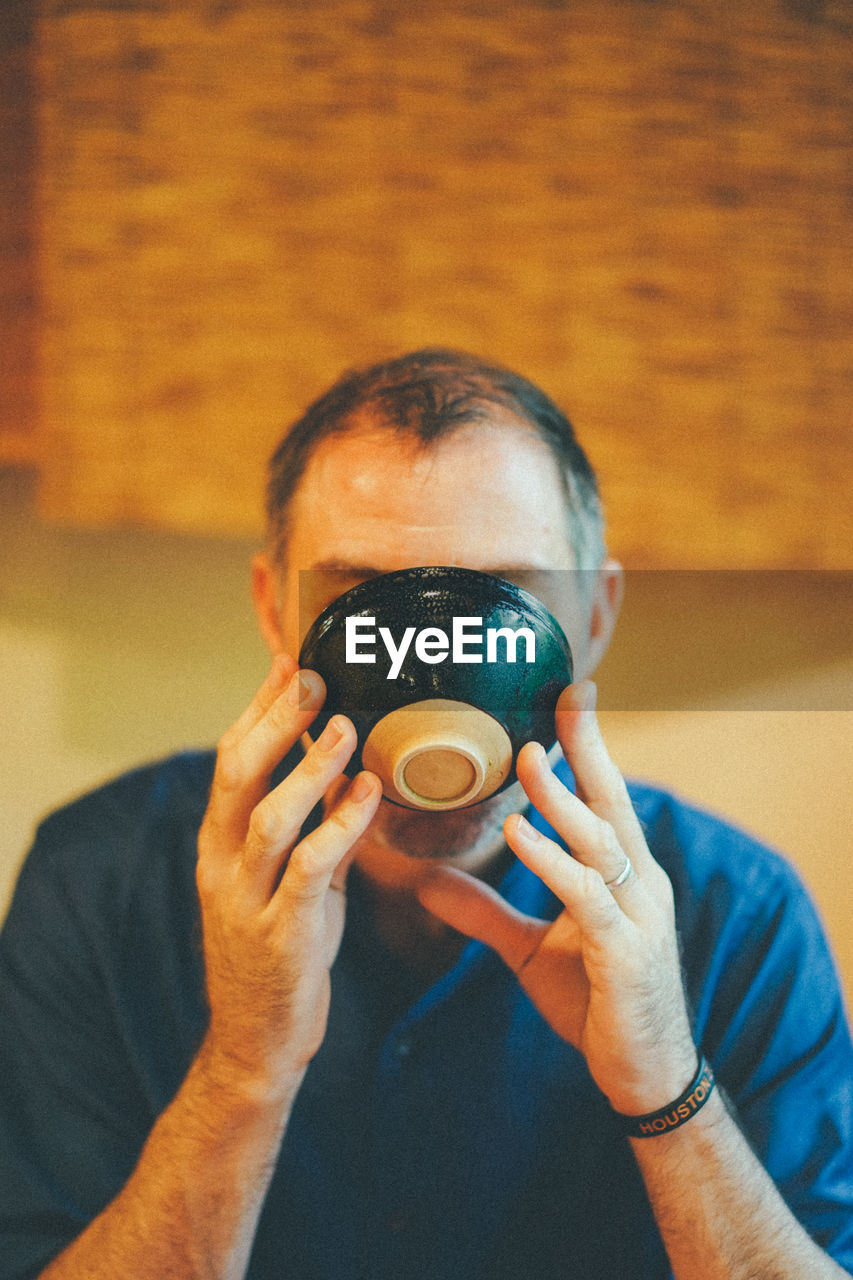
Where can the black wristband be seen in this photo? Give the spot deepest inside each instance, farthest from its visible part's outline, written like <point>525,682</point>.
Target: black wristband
<point>676,1113</point>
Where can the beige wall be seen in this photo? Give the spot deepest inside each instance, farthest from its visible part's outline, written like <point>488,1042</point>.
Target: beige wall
<point>118,646</point>
<point>114,648</point>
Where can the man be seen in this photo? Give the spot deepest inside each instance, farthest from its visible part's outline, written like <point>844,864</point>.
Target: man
<point>302,1068</point>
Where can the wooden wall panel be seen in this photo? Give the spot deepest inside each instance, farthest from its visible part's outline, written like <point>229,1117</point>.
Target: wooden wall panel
<point>644,205</point>
<point>18,312</point>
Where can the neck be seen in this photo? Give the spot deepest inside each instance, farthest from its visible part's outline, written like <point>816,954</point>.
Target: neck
<point>424,943</point>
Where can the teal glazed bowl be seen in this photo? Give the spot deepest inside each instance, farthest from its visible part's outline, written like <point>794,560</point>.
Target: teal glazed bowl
<point>446,673</point>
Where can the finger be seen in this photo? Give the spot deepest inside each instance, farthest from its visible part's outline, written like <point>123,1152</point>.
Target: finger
<point>276,822</point>
<point>580,887</point>
<point>244,763</point>
<point>478,910</point>
<point>334,793</point>
<point>316,860</point>
<point>592,840</point>
<point>283,667</point>
<point>598,780</point>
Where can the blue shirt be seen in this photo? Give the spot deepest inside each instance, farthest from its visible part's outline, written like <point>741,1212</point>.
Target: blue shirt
<point>440,1135</point>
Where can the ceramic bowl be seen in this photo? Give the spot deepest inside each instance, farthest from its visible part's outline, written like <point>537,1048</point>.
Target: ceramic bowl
<point>399,655</point>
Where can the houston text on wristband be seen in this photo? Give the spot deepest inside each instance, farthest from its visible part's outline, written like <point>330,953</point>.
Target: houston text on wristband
<point>675,1113</point>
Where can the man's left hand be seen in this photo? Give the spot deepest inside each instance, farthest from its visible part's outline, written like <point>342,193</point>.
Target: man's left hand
<point>606,973</point>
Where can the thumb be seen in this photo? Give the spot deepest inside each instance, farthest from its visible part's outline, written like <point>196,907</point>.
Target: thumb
<point>479,911</point>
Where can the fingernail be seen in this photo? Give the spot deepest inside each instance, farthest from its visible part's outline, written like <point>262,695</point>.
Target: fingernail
<point>525,830</point>
<point>300,691</point>
<point>331,736</point>
<point>361,788</point>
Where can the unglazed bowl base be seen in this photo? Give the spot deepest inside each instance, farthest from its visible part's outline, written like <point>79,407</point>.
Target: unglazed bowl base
<point>438,754</point>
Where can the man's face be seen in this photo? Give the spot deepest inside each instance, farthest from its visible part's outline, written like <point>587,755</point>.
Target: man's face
<point>488,497</point>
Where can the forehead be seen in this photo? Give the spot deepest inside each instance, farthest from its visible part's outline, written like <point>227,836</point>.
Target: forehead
<point>487,496</point>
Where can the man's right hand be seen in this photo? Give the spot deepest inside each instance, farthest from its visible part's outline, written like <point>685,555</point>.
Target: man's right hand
<point>273,913</point>
<point>272,904</point>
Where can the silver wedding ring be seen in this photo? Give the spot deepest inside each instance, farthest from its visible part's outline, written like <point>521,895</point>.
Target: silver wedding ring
<point>623,875</point>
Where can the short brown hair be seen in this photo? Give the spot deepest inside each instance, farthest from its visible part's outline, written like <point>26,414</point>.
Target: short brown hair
<point>426,395</point>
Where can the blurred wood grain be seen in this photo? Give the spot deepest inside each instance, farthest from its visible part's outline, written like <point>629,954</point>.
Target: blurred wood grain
<point>642,204</point>
<point>18,311</point>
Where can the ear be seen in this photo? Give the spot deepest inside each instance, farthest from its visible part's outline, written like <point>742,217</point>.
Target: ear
<point>266,597</point>
<point>606,603</point>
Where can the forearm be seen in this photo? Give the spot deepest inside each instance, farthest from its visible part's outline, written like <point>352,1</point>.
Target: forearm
<point>191,1207</point>
<point>718,1211</point>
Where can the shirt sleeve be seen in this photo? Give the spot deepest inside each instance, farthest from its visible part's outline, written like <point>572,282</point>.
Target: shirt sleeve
<point>769,1013</point>
<point>72,1116</point>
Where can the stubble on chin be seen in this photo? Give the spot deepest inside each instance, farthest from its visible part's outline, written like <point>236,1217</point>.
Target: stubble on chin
<point>464,836</point>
